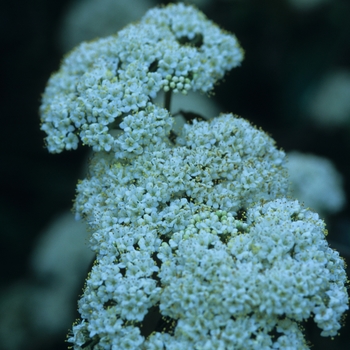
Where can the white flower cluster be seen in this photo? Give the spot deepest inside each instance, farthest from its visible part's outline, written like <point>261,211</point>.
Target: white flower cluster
<point>143,208</point>
<point>230,284</point>
<point>193,249</point>
<point>224,163</point>
<point>175,48</point>
<point>196,246</point>
<point>316,182</point>
<point>183,274</point>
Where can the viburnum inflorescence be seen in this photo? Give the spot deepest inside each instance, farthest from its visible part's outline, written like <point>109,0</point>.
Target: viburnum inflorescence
<point>101,82</point>
<point>196,245</point>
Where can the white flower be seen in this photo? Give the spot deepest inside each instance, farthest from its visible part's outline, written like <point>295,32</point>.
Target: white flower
<point>175,48</point>
<point>196,245</point>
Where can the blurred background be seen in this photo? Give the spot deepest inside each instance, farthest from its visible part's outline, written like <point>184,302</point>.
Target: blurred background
<point>294,83</point>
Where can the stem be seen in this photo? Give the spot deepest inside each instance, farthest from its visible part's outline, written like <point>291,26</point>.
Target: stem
<point>167,100</point>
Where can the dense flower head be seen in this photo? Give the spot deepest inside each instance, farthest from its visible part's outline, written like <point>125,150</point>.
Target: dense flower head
<point>100,83</point>
<point>196,245</point>
<point>225,163</point>
<point>218,280</point>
